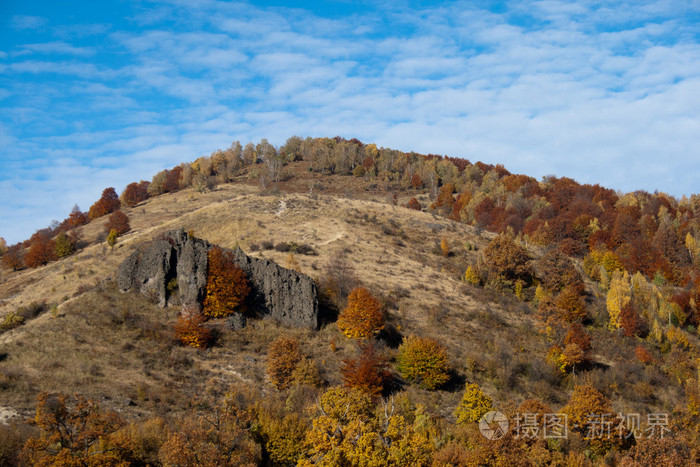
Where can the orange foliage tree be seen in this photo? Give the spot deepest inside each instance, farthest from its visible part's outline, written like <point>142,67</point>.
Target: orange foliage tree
<point>423,361</point>
<point>72,434</point>
<point>190,329</point>
<point>118,221</point>
<point>77,218</point>
<point>368,372</point>
<point>227,285</point>
<point>283,356</point>
<point>586,406</point>
<point>109,202</point>
<point>363,317</point>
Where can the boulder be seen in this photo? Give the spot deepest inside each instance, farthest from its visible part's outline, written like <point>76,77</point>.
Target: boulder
<point>282,294</point>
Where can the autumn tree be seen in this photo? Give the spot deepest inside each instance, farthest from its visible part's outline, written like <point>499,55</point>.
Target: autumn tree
<point>423,361</point>
<point>556,271</point>
<point>507,260</point>
<point>414,204</point>
<point>134,193</point>
<point>41,250</point>
<point>190,328</point>
<point>112,238</point>
<point>619,295</point>
<point>368,371</point>
<point>72,431</point>
<point>119,222</point>
<point>587,404</point>
<point>571,304</point>
<point>13,258</point>
<point>474,404</point>
<point>227,285</point>
<point>63,245</point>
<point>109,202</point>
<point>3,246</point>
<point>283,356</point>
<point>363,317</point>
<point>76,218</point>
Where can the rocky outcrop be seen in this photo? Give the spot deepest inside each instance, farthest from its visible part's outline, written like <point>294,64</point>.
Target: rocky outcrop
<point>288,296</point>
<point>177,259</point>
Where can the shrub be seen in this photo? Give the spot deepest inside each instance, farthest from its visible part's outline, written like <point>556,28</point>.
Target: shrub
<point>471,276</point>
<point>473,406</point>
<point>11,321</point>
<point>444,247</point>
<point>118,221</point>
<point>423,361</point>
<point>63,245</point>
<point>190,329</point>
<point>283,356</point>
<point>414,204</point>
<point>227,285</point>
<point>363,317</point>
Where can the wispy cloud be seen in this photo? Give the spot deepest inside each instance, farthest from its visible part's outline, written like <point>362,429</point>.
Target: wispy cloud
<point>22,22</point>
<point>605,92</point>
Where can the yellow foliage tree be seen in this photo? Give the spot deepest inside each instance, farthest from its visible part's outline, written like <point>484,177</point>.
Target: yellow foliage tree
<point>473,406</point>
<point>618,296</point>
<point>363,317</point>
<point>471,276</point>
<point>423,361</point>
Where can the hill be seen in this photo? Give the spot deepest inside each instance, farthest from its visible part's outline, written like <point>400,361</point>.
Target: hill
<point>511,275</point>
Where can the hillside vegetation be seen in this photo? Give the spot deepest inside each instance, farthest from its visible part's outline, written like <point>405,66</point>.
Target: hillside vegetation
<point>449,290</point>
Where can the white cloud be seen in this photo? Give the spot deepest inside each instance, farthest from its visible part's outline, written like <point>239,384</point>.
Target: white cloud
<point>22,22</point>
<point>602,92</point>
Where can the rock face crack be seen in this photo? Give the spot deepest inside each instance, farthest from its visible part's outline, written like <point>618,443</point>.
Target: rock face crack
<point>282,294</point>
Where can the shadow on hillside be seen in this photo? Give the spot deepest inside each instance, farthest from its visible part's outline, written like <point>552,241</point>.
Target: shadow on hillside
<point>455,383</point>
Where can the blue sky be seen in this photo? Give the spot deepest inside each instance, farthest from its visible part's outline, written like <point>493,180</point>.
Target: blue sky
<point>97,94</point>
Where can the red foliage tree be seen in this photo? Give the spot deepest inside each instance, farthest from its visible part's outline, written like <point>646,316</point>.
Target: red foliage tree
<point>416,181</point>
<point>119,222</point>
<point>41,250</point>
<point>367,372</point>
<point>414,204</point>
<point>77,218</point>
<point>172,179</point>
<point>109,202</point>
<point>134,193</point>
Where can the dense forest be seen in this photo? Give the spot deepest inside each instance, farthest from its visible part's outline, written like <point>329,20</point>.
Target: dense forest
<point>604,275</point>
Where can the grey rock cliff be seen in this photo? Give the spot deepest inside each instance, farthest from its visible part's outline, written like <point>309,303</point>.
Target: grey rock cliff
<point>282,294</point>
